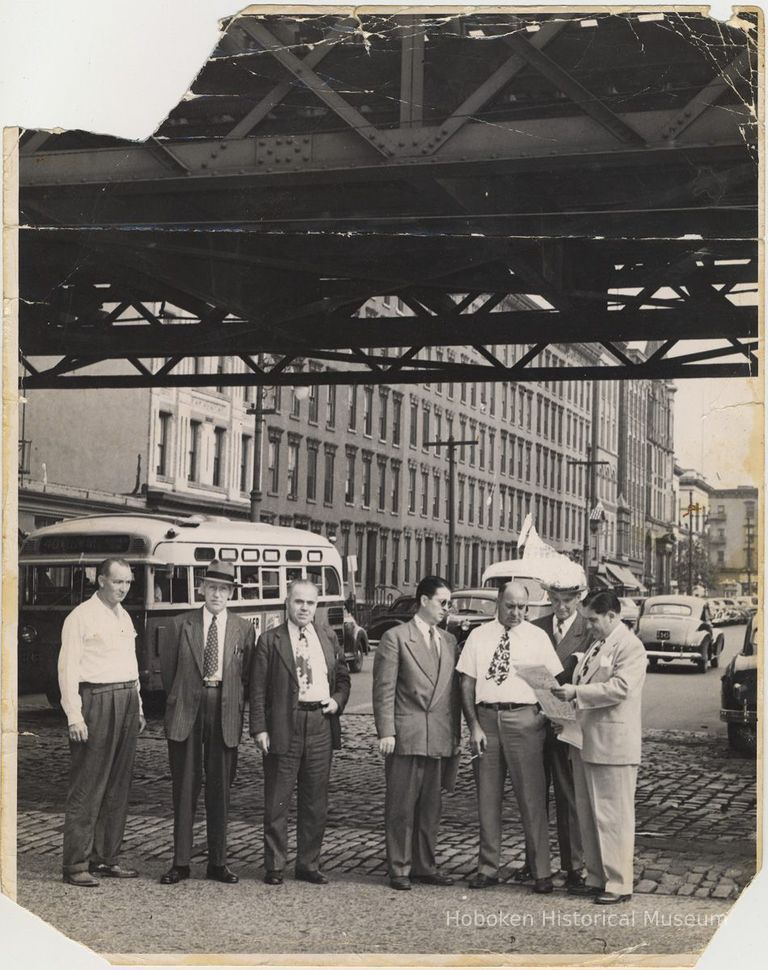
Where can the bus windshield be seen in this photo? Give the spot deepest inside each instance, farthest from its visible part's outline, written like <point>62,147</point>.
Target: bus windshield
<point>60,585</point>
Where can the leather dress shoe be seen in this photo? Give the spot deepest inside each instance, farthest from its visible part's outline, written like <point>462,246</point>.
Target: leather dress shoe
<point>114,872</point>
<point>542,885</point>
<point>222,874</point>
<point>175,874</point>
<point>523,874</point>
<point>481,881</point>
<point>573,879</point>
<point>584,890</point>
<point>433,879</point>
<point>314,876</point>
<point>608,899</point>
<point>399,882</point>
<point>273,877</point>
<point>81,879</point>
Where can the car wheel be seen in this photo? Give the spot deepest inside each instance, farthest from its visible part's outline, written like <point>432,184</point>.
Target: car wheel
<point>701,662</point>
<point>743,738</point>
<point>653,663</point>
<point>356,663</point>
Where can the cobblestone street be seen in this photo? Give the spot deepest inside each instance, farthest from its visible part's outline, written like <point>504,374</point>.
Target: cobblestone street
<point>696,810</point>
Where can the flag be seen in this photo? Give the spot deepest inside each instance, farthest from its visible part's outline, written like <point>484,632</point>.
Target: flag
<point>526,528</point>
<point>598,513</point>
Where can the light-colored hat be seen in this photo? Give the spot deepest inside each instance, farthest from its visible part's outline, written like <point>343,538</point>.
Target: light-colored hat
<point>566,577</point>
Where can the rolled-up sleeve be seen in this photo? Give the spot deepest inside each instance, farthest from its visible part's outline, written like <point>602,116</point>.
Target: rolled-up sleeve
<point>69,667</point>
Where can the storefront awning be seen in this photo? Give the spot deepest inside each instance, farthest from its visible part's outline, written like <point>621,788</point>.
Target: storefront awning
<point>624,577</point>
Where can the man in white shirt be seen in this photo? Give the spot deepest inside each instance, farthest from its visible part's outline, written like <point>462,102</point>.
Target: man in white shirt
<point>99,683</point>
<point>507,731</point>
<point>299,688</point>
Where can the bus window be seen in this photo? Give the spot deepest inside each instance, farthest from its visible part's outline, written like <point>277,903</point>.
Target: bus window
<point>51,586</point>
<point>293,573</point>
<point>249,577</point>
<point>270,584</point>
<point>314,575</point>
<point>171,585</point>
<point>84,583</point>
<point>332,586</point>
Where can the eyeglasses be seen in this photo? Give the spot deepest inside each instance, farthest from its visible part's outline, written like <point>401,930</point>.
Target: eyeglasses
<point>445,603</point>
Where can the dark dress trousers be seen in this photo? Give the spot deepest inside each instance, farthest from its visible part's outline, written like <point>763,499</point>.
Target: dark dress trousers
<point>416,700</point>
<point>557,763</point>
<point>203,727</point>
<point>301,743</point>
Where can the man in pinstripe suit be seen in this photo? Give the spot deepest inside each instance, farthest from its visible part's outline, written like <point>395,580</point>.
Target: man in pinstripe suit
<point>205,666</point>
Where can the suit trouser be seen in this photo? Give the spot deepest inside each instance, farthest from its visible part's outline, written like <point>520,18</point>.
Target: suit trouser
<point>558,770</point>
<point>605,801</point>
<point>100,776</point>
<point>202,752</point>
<point>308,763</point>
<point>412,809</point>
<point>515,747</point>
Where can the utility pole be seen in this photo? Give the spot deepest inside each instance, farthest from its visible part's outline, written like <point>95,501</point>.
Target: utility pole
<point>589,492</point>
<point>749,554</point>
<point>451,444</point>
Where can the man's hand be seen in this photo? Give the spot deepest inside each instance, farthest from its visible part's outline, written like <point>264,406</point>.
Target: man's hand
<point>478,741</point>
<point>387,745</point>
<point>330,706</point>
<point>262,742</point>
<point>78,731</point>
<point>566,692</point>
<point>142,723</point>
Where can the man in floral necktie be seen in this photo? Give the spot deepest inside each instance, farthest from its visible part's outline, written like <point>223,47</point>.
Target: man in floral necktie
<point>507,731</point>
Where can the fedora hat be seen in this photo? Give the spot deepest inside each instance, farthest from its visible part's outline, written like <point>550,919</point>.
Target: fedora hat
<point>567,578</point>
<point>220,572</point>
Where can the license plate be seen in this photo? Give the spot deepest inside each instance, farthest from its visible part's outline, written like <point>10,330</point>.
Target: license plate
<point>662,634</point>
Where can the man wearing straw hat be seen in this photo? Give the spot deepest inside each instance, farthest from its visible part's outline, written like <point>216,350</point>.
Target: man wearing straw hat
<point>205,664</point>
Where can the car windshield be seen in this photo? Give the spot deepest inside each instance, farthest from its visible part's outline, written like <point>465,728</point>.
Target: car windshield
<point>669,609</point>
<point>627,605</point>
<point>473,604</point>
<point>403,604</point>
<point>536,593</point>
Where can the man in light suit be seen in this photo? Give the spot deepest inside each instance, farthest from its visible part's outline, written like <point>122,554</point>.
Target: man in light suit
<point>299,688</point>
<point>416,708</point>
<point>607,693</point>
<point>204,667</point>
<point>571,636</point>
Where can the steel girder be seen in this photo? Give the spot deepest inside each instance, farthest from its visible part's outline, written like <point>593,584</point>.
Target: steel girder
<point>523,179</point>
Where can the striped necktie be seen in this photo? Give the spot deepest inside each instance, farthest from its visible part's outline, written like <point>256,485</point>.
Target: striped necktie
<point>590,656</point>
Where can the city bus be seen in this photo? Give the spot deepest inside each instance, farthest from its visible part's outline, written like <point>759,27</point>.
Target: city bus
<point>168,556</point>
<point>530,573</point>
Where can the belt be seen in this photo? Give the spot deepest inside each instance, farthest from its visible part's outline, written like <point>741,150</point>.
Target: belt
<point>211,683</point>
<point>503,707</point>
<point>310,705</point>
<point>122,685</point>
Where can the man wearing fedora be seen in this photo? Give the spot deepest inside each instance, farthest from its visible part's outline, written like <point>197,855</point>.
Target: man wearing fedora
<point>205,664</point>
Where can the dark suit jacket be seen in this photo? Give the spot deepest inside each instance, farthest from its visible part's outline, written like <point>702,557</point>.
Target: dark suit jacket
<point>412,699</point>
<point>576,640</point>
<point>274,689</point>
<point>181,664</point>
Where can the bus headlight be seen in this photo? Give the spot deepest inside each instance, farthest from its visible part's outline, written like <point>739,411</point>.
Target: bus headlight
<point>28,634</point>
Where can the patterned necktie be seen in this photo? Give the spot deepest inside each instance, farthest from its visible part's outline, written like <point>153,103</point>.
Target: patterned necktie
<point>211,654</point>
<point>499,668</point>
<point>303,665</point>
<point>559,630</point>
<point>591,654</point>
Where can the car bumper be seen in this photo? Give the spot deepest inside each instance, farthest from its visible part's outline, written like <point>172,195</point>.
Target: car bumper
<point>673,652</point>
<point>738,717</point>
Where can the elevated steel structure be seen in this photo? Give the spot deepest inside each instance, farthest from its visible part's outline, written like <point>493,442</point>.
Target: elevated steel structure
<point>527,179</point>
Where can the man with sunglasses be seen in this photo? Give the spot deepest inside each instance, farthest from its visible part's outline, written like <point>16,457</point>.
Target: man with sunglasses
<point>418,721</point>
<point>507,732</point>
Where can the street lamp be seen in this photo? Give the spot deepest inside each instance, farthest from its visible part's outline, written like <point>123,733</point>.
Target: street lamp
<point>451,444</point>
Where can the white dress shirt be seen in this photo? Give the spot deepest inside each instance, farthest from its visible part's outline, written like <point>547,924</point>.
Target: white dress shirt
<point>318,689</point>
<point>564,627</point>
<point>424,629</point>
<point>529,645</point>
<point>221,629</point>
<point>98,646</point>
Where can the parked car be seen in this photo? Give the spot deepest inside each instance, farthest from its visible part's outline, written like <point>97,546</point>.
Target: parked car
<point>399,611</point>
<point>355,643</point>
<point>733,612</point>
<point>717,610</point>
<point>630,612</point>
<point>679,628</point>
<point>738,694</point>
<point>747,603</point>
<point>470,608</point>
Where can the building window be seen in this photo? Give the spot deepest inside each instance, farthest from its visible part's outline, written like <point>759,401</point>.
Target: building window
<point>349,479</point>
<point>471,504</point>
<point>312,404</point>
<point>219,439</point>
<point>193,457</point>
<point>220,369</point>
<point>368,411</point>
<point>481,505</point>
<point>273,465</point>
<point>383,560</point>
<point>407,560</point>
<point>491,451</point>
<point>424,427</point>
<point>395,560</point>
<point>312,472</point>
<point>352,408</point>
<point>245,461</point>
<point>411,489</point>
<point>424,492</point>
<point>330,461</point>
<point>331,401</point>
<point>463,434</point>
<point>163,441</point>
<point>295,407</point>
<point>482,448</point>
<point>366,481</point>
<point>397,411</point>
<point>382,504</point>
<point>293,469</point>
<point>460,512</point>
<point>395,503</point>
<point>435,495</point>
<point>383,395</point>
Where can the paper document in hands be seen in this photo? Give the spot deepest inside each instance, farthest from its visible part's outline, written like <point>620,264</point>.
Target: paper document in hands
<point>537,677</point>
<point>542,681</point>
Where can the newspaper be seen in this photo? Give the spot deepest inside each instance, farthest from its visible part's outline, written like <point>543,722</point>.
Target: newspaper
<point>542,681</point>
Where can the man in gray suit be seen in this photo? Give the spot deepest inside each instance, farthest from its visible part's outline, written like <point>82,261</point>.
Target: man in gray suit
<point>607,692</point>
<point>416,708</point>
<point>571,636</point>
<point>204,667</point>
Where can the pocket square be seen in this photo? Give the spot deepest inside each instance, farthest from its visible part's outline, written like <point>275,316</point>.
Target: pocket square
<point>606,661</point>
